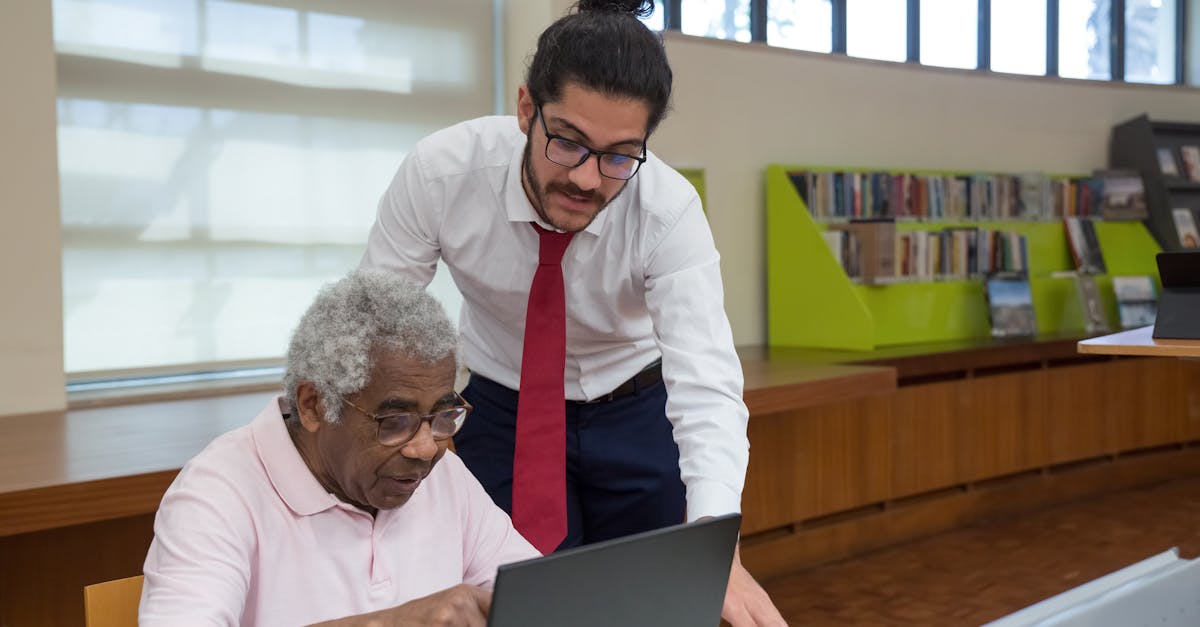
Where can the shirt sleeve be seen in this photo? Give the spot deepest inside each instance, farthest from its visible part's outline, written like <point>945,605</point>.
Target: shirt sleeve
<point>404,236</point>
<point>701,369</point>
<point>489,538</point>
<point>197,571</point>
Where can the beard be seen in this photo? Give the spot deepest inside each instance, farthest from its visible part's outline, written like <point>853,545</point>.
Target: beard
<point>538,194</point>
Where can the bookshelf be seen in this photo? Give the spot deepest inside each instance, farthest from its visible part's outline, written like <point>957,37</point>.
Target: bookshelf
<point>812,303</point>
<point>1135,145</point>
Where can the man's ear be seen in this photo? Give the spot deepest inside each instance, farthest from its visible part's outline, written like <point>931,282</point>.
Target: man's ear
<point>310,407</point>
<point>525,108</point>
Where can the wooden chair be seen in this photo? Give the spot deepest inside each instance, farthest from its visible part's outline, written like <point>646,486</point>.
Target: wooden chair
<point>112,603</point>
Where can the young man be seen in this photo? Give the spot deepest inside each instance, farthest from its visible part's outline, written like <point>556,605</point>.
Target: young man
<point>339,501</point>
<point>603,374</point>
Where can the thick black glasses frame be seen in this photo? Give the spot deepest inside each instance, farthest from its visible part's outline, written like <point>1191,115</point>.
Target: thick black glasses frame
<point>590,152</point>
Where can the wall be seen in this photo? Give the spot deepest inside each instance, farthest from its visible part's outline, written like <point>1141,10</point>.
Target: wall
<point>31,377</point>
<point>739,107</point>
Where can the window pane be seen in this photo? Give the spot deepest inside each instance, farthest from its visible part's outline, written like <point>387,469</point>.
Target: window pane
<point>722,19</point>
<point>1150,41</point>
<point>1019,36</point>
<point>877,29</point>
<point>800,24</point>
<point>950,33</point>
<point>1083,42</point>
<point>222,160</point>
<point>657,19</point>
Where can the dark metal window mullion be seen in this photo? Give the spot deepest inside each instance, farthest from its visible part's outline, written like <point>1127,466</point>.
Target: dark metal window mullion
<point>1052,38</point>
<point>985,34</point>
<point>914,31</point>
<point>758,20</point>
<point>839,26</point>
<point>673,14</point>
<point>1181,47</point>
<point>1116,40</point>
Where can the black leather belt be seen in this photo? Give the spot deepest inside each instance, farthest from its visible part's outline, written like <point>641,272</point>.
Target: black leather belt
<point>651,375</point>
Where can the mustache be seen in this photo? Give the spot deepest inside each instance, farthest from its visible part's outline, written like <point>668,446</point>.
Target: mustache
<point>571,189</point>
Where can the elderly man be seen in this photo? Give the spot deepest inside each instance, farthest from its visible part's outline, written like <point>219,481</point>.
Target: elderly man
<point>339,501</point>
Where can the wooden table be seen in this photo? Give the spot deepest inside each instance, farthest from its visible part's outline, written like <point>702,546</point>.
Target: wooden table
<point>1139,342</point>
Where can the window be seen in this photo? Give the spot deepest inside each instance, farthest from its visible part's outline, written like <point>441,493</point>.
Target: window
<point>1150,41</point>
<point>1019,36</point>
<point>658,19</point>
<point>950,33</point>
<point>722,19</point>
<point>800,24</point>
<point>877,29</point>
<point>1083,48</point>
<point>220,160</point>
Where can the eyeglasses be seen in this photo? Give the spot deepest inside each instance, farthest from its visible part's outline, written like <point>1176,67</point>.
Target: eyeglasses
<point>565,152</point>
<point>398,428</point>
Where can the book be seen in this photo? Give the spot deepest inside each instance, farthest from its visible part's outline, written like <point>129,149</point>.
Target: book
<point>1166,162</point>
<point>1191,162</point>
<point>1122,194</point>
<point>1085,245</point>
<point>1010,306</point>
<point>1185,228</point>
<point>1094,318</point>
<point>876,247</point>
<point>1137,300</point>
<point>1034,196</point>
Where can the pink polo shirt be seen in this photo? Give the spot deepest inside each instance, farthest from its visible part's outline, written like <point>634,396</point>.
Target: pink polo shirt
<point>247,536</point>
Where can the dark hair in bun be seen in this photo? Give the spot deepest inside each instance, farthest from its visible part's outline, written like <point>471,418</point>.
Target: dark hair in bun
<point>638,8</point>
<point>603,47</point>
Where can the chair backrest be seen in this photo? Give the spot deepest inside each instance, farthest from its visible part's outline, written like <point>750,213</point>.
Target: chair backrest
<point>112,603</point>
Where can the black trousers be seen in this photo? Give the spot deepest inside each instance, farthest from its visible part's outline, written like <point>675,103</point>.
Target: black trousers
<point>622,461</point>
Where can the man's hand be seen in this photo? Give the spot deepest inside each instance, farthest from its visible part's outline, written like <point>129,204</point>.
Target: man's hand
<point>746,603</point>
<point>460,606</point>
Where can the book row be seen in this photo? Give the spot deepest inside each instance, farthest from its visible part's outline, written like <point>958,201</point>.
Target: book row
<point>832,196</point>
<point>873,252</point>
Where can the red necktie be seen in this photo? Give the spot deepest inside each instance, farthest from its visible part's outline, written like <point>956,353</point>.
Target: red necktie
<point>539,498</point>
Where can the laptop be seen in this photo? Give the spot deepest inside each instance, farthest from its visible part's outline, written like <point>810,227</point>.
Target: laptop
<point>671,576</point>
<point>1179,303</point>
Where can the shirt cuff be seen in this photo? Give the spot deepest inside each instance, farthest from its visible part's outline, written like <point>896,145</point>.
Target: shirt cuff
<point>711,498</point>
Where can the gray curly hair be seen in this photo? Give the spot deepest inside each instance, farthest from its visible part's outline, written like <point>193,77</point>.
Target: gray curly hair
<point>368,309</point>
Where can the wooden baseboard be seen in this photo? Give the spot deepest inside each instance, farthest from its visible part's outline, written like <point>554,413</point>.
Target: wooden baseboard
<point>812,542</point>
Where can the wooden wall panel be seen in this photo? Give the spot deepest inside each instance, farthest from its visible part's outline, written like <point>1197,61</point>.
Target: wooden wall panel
<point>777,489</point>
<point>1081,406</point>
<point>1002,429</point>
<point>924,437</point>
<point>42,574</point>
<point>812,462</point>
<point>1188,385</point>
<point>848,463</point>
<point>1148,411</point>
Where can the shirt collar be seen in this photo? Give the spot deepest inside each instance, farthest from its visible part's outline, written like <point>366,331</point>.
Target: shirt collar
<point>289,475</point>
<point>519,208</point>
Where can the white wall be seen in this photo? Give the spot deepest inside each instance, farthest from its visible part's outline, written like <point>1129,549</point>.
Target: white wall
<point>31,367</point>
<point>739,107</point>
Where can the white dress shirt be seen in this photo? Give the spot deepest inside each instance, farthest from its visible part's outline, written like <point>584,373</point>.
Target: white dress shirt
<point>642,281</point>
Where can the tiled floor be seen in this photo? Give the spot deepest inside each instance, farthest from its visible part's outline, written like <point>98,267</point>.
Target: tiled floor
<point>980,573</point>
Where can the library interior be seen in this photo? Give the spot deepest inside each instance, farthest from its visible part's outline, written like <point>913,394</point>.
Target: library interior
<point>958,244</point>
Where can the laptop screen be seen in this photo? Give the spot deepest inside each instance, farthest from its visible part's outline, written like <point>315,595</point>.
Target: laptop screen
<point>1179,303</point>
<point>671,576</point>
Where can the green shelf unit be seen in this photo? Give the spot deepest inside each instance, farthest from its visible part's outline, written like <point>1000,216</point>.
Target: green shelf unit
<point>812,303</point>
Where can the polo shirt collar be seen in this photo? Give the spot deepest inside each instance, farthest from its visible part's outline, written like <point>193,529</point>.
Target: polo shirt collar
<point>289,475</point>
